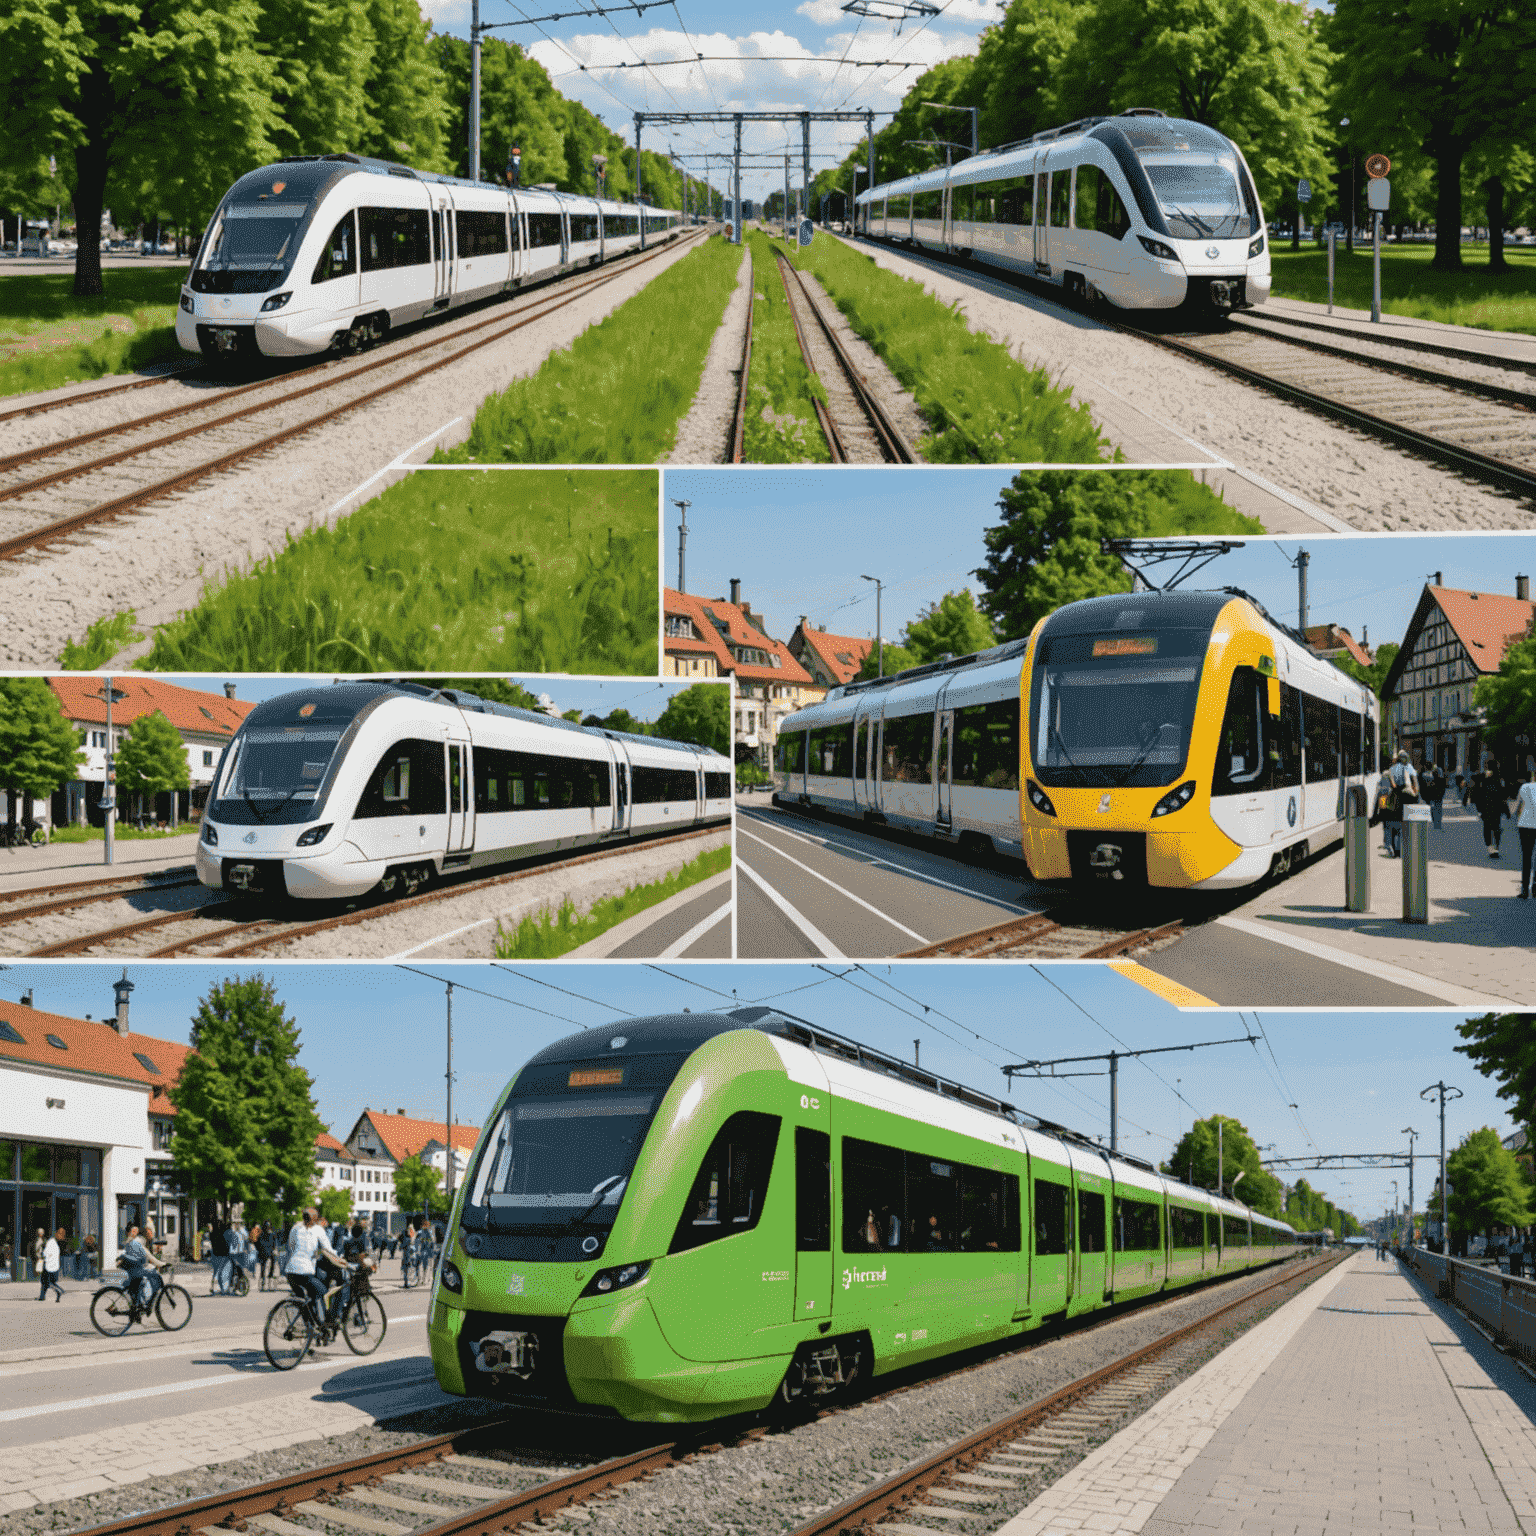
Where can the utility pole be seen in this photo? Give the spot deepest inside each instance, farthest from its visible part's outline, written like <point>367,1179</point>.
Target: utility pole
<point>869,135</point>
<point>639,201</point>
<point>944,106</point>
<point>682,546</point>
<point>1445,1092</point>
<point>448,1180</point>
<point>1410,1133</point>
<point>879,635</point>
<point>1220,1124</point>
<point>737,182</point>
<point>1303,559</point>
<point>474,90</point>
<point>109,775</point>
<point>917,1053</point>
<point>786,194</point>
<point>805,163</point>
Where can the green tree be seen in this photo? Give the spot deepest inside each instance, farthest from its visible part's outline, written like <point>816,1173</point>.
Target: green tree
<point>700,714</point>
<point>153,760</point>
<point>246,1122</point>
<point>129,92</point>
<point>418,1186</point>
<point>407,113</point>
<point>39,749</point>
<point>573,715</point>
<point>321,53</point>
<point>1195,1159</point>
<point>334,1205</point>
<point>1439,76</point>
<point>952,626</point>
<point>1509,696</point>
<point>1487,1188</point>
<point>890,660</point>
<point>1502,1046</point>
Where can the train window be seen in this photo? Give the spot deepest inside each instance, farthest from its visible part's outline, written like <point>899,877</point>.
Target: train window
<point>394,237</point>
<point>518,781</point>
<point>831,751</point>
<point>1372,763</point>
<point>481,233</point>
<point>989,1211</point>
<point>928,205</point>
<point>1138,1225</point>
<point>543,229</point>
<point>1098,205</point>
<point>583,226</point>
<point>860,749</point>
<point>1188,1227</point>
<point>1090,1222</point>
<point>408,780</point>
<point>1285,741</point>
<point>873,1197</point>
<point>791,752</point>
<point>717,786</point>
<point>727,1196</point>
<point>1061,197</point>
<point>1053,1218</point>
<point>813,1190</point>
<point>1321,720</point>
<point>1240,758</point>
<point>339,257</point>
<point>898,207</point>
<point>913,1203</point>
<point>933,1205</point>
<point>1234,1231</point>
<point>908,749</point>
<point>656,786</point>
<point>987,745</point>
<point>1349,737</point>
<point>997,202</point>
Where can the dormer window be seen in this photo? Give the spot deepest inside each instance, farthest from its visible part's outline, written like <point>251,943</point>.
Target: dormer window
<point>55,1042</point>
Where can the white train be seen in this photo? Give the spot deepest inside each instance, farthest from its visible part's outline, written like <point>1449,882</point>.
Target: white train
<point>333,791</point>
<point>1144,210</point>
<point>332,251</point>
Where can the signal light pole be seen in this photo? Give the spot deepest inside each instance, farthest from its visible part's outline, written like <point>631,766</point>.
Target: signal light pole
<point>1445,1093</point>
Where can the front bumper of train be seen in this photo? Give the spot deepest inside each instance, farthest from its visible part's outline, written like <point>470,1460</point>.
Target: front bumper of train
<point>1229,280</point>
<point>1124,847</point>
<point>267,861</point>
<point>233,326</point>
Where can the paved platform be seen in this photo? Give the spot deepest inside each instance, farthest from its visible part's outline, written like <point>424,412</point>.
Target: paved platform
<point>1361,1406</point>
<point>1295,945</point>
<point>1498,346</point>
<point>73,863</point>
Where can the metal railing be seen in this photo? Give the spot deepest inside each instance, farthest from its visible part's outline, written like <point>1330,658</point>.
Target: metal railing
<point>1503,1304</point>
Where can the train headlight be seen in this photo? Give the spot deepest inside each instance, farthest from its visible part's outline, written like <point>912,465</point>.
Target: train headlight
<point>606,1281</point>
<point>1038,798</point>
<point>314,835</point>
<point>1256,247</point>
<point>210,834</point>
<point>1157,248</point>
<point>452,1279</point>
<point>186,301</point>
<point>275,302</point>
<point>1175,799</point>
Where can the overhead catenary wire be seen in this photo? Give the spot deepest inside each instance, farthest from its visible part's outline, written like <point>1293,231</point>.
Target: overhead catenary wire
<point>538,982</point>
<point>448,981</point>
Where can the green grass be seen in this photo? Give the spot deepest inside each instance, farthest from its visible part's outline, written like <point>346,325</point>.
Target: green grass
<point>125,833</point>
<point>527,570</point>
<point>103,640</point>
<point>984,406</point>
<point>48,337</point>
<point>552,934</point>
<point>617,394</point>
<point>1473,297</point>
<point>781,425</point>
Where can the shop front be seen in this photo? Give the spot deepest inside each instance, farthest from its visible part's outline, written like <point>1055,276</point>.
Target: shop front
<point>45,1186</point>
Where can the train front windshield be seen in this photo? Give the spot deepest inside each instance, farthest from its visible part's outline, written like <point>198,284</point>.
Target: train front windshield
<point>275,774</point>
<point>1200,197</point>
<point>1107,710</point>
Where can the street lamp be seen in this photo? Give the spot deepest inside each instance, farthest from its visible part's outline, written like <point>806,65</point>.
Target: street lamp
<point>1410,1133</point>
<point>1349,228</point>
<point>879,634</point>
<point>109,773</point>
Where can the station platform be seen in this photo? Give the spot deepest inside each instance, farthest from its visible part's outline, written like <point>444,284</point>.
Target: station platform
<point>1511,348</point>
<point>1362,1405</point>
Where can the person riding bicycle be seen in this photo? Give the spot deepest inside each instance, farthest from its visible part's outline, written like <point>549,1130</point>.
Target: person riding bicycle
<point>142,1268</point>
<point>306,1243</point>
<point>354,1252</point>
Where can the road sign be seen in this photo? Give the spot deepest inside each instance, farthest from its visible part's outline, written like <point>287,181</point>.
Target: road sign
<point>1378,195</point>
<point>1303,191</point>
<point>1377,166</point>
<point>807,229</point>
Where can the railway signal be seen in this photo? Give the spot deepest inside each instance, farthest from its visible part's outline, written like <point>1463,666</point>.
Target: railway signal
<point>1378,197</point>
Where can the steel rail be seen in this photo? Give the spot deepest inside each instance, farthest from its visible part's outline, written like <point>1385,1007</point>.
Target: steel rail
<point>889,1497</point>
<point>91,893</point>
<point>823,415</point>
<point>1033,925</point>
<point>87,395</point>
<point>1133,941</point>
<point>739,420</point>
<point>48,532</point>
<point>114,880</point>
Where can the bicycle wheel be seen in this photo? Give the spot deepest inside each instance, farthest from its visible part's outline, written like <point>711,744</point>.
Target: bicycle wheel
<point>288,1334</point>
<point>173,1308</point>
<point>39,838</point>
<point>364,1325</point>
<point>111,1312</point>
<point>241,1284</point>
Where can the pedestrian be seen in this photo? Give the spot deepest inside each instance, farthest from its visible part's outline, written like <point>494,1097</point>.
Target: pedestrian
<point>1491,802</point>
<point>266,1247</point>
<point>88,1256</point>
<point>1404,784</point>
<point>35,1252</point>
<point>1525,824</point>
<point>1433,785</point>
<point>407,1245</point>
<point>50,1268</point>
<point>218,1249</point>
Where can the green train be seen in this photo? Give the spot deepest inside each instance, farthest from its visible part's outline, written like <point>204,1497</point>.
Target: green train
<point>687,1216</point>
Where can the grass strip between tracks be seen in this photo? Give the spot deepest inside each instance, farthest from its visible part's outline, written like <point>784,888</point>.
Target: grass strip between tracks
<point>49,337</point>
<point>619,392</point>
<point>541,571</point>
<point>984,406</point>
<point>554,933</point>
<point>781,425</point>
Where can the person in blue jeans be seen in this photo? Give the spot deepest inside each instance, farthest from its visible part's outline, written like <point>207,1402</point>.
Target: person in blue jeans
<point>1405,791</point>
<point>307,1242</point>
<point>1525,825</point>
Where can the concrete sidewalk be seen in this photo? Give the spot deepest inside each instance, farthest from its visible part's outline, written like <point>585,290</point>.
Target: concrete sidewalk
<point>1360,1406</point>
<point>72,863</point>
<point>1501,346</point>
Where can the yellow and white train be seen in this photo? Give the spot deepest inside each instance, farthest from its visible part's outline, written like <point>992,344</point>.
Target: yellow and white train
<point>1170,739</point>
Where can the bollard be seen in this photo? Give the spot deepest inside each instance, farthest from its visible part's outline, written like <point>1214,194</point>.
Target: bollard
<point>1357,849</point>
<point>1415,863</point>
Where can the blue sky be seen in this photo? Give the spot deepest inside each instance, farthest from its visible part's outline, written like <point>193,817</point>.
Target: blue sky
<point>374,1036</point>
<point>592,696</point>
<point>759,57</point>
<point>800,540</point>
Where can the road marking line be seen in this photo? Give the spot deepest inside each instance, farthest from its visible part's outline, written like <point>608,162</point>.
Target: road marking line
<point>921,938</point>
<point>819,941</point>
<point>398,462</point>
<point>442,938</point>
<point>1458,996</point>
<point>676,950</point>
<point>1161,986</point>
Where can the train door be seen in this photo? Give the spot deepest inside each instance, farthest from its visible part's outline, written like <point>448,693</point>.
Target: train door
<point>860,762</point>
<point>461,798</point>
<point>621,796</point>
<point>946,209</point>
<point>442,261</point>
<point>1041,205</point>
<point>876,763</point>
<point>1050,1202</point>
<point>813,1214</point>
<point>1288,804</point>
<point>565,237</point>
<point>942,766</point>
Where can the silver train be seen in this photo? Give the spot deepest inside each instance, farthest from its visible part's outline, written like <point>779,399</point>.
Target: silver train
<point>1144,210</point>
<point>333,791</point>
<point>318,252</point>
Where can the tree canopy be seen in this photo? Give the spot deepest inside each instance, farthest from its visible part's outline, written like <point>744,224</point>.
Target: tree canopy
<point>419,1186</point>
<point>39,749</point>
<point>153,759</point>
<point>1502,1046</point>
<point>1509,696</point>
<point>700,714</point>
<point>1242,1176</point>
<point>1487,1187</point>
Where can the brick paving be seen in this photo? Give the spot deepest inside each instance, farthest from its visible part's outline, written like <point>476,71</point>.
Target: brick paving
<point>1359,1407</point>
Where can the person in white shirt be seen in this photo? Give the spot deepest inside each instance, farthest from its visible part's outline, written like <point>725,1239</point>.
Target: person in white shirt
<point>305,1243</point>
<point>1525,824</point>
<point>50,1268</point>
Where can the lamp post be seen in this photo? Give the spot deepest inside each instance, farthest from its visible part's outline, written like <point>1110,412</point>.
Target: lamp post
<point>1349,227</point>
<point>1397,1201</point>
<point>1410,1133</point>
<point>853,197</point>
<point>109,774</point>
<point>879,637</point>
<point>682,545</point>
<point>1445,1092</point>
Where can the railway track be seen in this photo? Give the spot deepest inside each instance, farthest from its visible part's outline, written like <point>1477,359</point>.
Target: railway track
<point>253,929</point>
<point>465,1484</point>
<point>112,885</point>
<point>90,396</point>
<point>96,486</point>
<point>1039,936</point>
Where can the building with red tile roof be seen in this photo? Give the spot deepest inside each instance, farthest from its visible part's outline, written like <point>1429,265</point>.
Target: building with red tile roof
<point>716,637</point>
<point>1454,638</point>
<point>830,659</point>
<point>381,1142</point>
<point>1331,641</point>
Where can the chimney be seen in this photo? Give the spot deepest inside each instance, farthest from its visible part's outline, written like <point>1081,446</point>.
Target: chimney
<point>26,998</point>
<point>1523,588</point>
<point>1365,637</point>
<point>120,990</point>
<point>229,690</point>
<point>1439,579</point>
<point>736,590</point>
<point>401,1113</point>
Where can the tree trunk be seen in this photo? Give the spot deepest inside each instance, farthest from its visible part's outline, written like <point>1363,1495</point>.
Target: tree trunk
<point>1496,262</point>
<point>1447,152</point>
<point>90,195</point>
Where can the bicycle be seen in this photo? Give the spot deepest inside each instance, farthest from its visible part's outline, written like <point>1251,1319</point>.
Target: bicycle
<point>116,1307</point>
<point>24,834</point>
<point>240,1282</point>
<point>294,1327</point>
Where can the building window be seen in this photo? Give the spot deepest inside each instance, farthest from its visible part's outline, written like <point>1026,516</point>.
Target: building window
<point>207,759</point>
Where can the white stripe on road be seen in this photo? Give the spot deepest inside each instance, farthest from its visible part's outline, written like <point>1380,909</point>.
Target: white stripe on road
<point>442,938</point>
<point>819,941</point>
<point>921,938</point>
<point>677,950</point>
